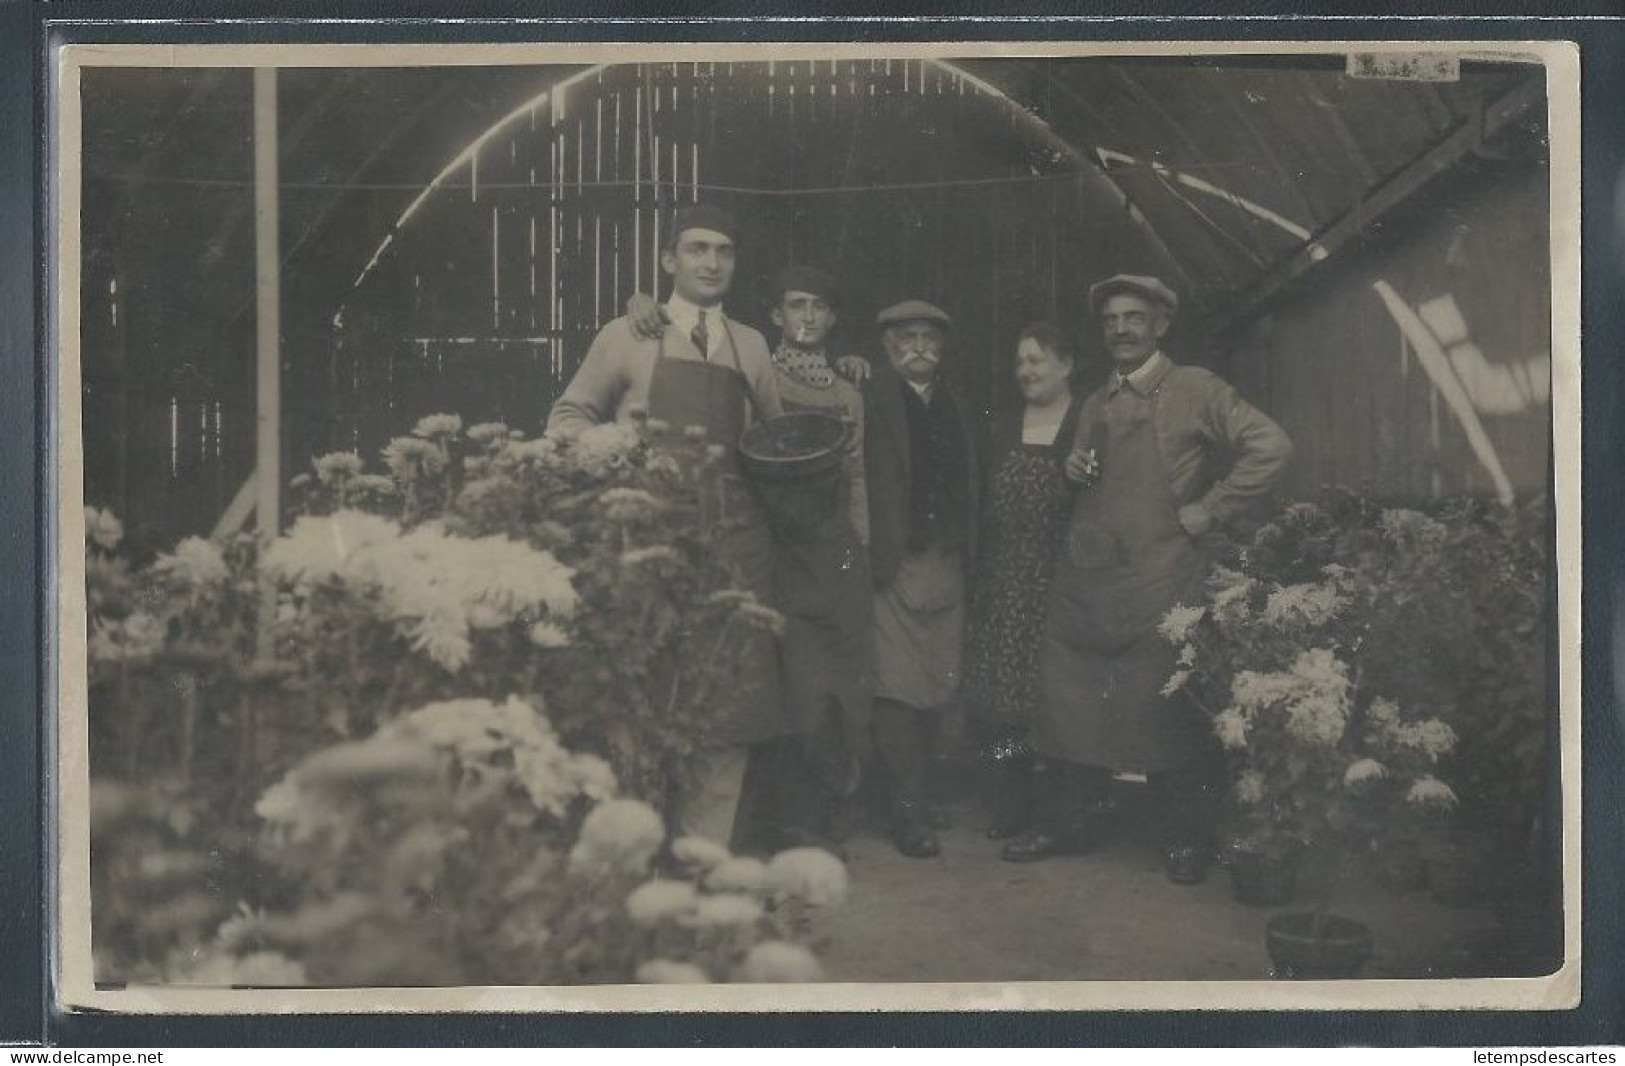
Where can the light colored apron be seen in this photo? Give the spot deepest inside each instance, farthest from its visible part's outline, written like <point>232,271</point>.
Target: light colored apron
<point>1125,561</point>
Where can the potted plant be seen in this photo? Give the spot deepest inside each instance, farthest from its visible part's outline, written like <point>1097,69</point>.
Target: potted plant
<point>1291,652</point>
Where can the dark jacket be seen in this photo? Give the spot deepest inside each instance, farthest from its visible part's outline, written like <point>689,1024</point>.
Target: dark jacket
<point>890,466</point>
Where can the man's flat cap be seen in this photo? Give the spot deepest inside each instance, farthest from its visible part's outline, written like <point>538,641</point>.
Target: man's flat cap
<point>807,279</point>
<point>914,311</point>
<point>1141,285</point>
<point>703,216</point>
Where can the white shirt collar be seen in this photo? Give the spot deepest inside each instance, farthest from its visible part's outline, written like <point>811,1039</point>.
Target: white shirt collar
<point>685,315</point>
<point>1142,373</point>
<point>923,390</point>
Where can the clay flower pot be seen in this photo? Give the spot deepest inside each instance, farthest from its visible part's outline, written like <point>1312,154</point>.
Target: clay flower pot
<point>1261,878</point>
<point>1401,865</point>
<point>1309,946</point>
<point>1455,879</point>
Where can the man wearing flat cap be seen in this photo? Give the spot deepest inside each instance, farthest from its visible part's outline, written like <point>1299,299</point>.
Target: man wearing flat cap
<point>1167,454</point>
<point>921,460</point>
<point>701,369</point>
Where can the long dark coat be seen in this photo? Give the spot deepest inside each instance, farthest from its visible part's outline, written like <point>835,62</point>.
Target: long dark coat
<point>890,470</point>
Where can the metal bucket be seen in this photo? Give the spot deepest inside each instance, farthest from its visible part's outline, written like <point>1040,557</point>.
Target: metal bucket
<point>795,462</point>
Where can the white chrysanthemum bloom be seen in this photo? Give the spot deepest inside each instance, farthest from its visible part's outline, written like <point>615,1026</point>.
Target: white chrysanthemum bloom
<point>1230,726</point>
<point>621,504</point>
<point>1176,682</point>
<point>435,427</point>
<point>760,616</point>
<point>102,528</point>
<point>1250,787</point>
<point>1317,720</point>
<point>1384,713</point>
<point>655,901</point>
<point>336,466</point>
<point>488,434</point>
<point>658,553</point>
<point>260,969</point>
<point>1177,624</point>
<point>374,484</point>
<point>695,432</point>
<point>1187,655</point>
<point>1305,513</point>
<point>739,874</point>
<point>699,852</point>
<point>620,834</point>
<point>543,452</point>
<point>726,909</point>
<point>663,464</point>
<point>515,734</point>
<point>484,616</point>
<point>668,972</point>
<point>408,458</point>
<point>780,961</point>
<point>1431,737</point>
<point>1231,605</point>
<point>810,874</point>
<point>1252,691</point>
<point>548,635</point>
<point>321,547</point>
<point>1431,792</point>
<point>1322,668</point>
<point>1307,604</point>
<point>1362,770</point>
<point>603,448</point>
<point>1412,529</point>
<point>444,639</point>
<point>139,636</point>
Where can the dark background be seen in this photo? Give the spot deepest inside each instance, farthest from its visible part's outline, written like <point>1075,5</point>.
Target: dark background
<point>25,470</point>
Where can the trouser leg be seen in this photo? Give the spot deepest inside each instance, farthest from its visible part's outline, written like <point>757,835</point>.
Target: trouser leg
<point>1069,794</point>
<point>901,740</point>
<point>900,743</point>
<point>711,811</point>
<point>1187,802</point>
<point>1069,800</point>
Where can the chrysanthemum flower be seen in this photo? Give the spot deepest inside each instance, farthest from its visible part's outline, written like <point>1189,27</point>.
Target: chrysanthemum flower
<point>780,961</point>
<point>810,874</point>
<point>669,972</point>
<point>654,901</point>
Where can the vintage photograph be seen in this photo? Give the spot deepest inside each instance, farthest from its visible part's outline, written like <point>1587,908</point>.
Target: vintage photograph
<point>871,520</point>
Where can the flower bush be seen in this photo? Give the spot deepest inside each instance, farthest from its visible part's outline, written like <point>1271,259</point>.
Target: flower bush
<point>483,575</point>
<point>1354,658</point>
<point>462,843</point>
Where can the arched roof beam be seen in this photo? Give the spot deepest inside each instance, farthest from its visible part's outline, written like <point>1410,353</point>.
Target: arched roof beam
<point>1399,187</point>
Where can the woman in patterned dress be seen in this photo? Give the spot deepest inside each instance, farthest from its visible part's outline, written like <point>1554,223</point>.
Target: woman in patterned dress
<point>1027,502</point>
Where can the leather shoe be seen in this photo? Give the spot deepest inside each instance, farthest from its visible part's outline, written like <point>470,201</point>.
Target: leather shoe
<point>1187,864</point>
<point>912,833</point>
<point>1039,844</point>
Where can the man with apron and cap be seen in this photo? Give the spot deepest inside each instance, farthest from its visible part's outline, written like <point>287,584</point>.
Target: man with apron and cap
<point>921,467</point>
<point>1166,454</point>
<point>704,370</point>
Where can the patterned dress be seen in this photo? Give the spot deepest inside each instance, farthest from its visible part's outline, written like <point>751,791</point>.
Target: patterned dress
<point>1028,500</point>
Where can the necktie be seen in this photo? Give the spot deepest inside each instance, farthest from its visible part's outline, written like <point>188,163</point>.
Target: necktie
<point>701,337</point>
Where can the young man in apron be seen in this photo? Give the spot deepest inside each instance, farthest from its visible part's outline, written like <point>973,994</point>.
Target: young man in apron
<point>703,369</point>
<point>1167,453</point>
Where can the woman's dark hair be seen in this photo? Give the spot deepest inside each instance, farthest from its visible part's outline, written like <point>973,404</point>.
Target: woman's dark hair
<point>1051,339</point>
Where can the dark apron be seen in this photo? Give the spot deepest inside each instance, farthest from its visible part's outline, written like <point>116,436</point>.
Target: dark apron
<point>1125,561</point>
<point>688,392</point>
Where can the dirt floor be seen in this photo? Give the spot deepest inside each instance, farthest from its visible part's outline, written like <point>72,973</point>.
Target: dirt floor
<point>969,916</point>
